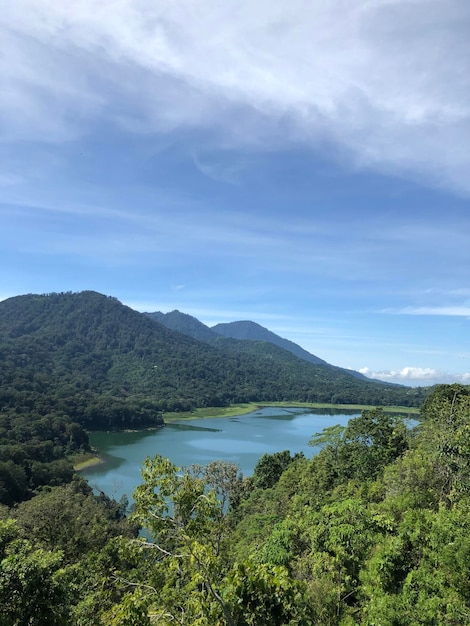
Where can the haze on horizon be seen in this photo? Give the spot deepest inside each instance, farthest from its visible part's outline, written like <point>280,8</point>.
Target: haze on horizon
<point>302,165</point>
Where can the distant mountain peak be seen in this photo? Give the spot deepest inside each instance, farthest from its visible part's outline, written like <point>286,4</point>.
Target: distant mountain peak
<point>184,323</point>
<point>252,331</point>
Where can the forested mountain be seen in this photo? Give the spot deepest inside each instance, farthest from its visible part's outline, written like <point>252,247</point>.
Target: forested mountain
<point>106,365</point>
<point>184,323</point>
<point>76,361</point>
<point>243,331</point>
<point>373,530</point>
<point>254,332</point>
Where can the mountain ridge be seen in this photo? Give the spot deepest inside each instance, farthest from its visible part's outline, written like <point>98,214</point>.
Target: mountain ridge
<point>244,330</point>
<point>106,366</point>
<point>252,331</point>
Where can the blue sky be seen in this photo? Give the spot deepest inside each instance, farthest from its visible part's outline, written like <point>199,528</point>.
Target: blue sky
<point>305,165</point>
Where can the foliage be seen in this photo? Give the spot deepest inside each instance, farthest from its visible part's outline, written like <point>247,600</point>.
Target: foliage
<point>373,530</point>
<point>270,467</point>
<point>89,358</point>
<point>365,446</point>
<point>31,587</point>
<point>185,512</point>
<point>266,594</point>
<point>73,362</point>
<point>72,519</point>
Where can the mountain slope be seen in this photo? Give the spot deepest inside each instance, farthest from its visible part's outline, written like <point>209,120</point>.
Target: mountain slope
<point>245,330</point>
<point>184,323</point>
<point>254,332</point>
<point>87,356</point>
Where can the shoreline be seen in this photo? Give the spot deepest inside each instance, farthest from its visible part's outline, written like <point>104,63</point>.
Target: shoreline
<point>91,460</point>
<point>94,458</point>
<point>244,409</point>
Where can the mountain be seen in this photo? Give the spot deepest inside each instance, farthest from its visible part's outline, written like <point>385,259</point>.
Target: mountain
<point>254,332</point>
<point>72,362</point>
<point>184,323</point>
<point>104,365</point>
<point>243,330</point>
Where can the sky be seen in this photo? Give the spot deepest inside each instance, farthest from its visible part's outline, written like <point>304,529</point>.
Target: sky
<point>304,165</point>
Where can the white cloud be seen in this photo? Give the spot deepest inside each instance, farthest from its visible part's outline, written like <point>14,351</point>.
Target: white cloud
<point>386,81</point>
<point>453,311</point>
<point>416,376</point>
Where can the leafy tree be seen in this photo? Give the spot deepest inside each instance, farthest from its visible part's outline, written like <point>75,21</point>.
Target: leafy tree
<point>13,483</point>
<point>72,519</point>
<point>269,468</point>
<point>266,594</point>
<point>31,587</point>
<point>419,574</point>
<point>185,513</point>
<point>445,436</point>
<point>365,446</point>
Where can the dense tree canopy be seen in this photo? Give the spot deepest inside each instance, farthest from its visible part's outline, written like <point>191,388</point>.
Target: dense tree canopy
<point>372,530</point>
<point>103,365</point>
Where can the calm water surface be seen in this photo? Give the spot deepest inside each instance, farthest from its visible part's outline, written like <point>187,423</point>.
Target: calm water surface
<point>240,439</point>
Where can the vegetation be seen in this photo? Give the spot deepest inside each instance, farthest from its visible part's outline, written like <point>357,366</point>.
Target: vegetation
<point>75,362</point>
<point>105,366</point>
<point>375,529</point>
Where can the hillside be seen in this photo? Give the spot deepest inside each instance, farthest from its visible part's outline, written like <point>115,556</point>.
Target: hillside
<point>242,330</point>
<point>73,362</point>
<point>255,332</point>
<point>105,365</point>
<point>372,529</point>
<point>184,323</point>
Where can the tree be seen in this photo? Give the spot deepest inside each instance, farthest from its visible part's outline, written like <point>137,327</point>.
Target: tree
<point>72,519</point>
<point>365,446</point>
<point>32,591</point>
<point>266,594</point>
<point>445,435</point>
<point>269,468</point>
<point>185,513</point>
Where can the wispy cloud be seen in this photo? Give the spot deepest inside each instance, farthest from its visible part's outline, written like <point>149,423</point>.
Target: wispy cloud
<point>453,311</point>
<point>417,376</point>
<point>387,82</point>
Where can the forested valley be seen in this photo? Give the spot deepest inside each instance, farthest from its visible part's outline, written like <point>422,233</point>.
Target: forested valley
<point>74,362</point>
<point>374,530</point>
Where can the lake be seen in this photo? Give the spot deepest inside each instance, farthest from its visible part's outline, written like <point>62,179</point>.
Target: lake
<point>241,439</point>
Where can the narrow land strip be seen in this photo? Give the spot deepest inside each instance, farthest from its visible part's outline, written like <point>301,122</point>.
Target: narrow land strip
<point>243,409</point>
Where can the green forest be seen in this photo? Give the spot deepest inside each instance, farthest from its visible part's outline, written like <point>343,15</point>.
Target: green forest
<point>374,530</point>
<point>75,362</point>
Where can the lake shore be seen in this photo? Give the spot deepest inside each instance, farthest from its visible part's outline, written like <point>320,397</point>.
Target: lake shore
<point>243,409</point>
<point>239,439</point>
<point>85,461</point>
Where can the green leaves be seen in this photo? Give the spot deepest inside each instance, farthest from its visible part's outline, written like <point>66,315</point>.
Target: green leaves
<point>31,586</point>
<point>184,511</point>
<point>266,594</point>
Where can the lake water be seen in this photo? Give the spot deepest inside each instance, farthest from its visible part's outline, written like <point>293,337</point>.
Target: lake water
<point>241,439</point>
